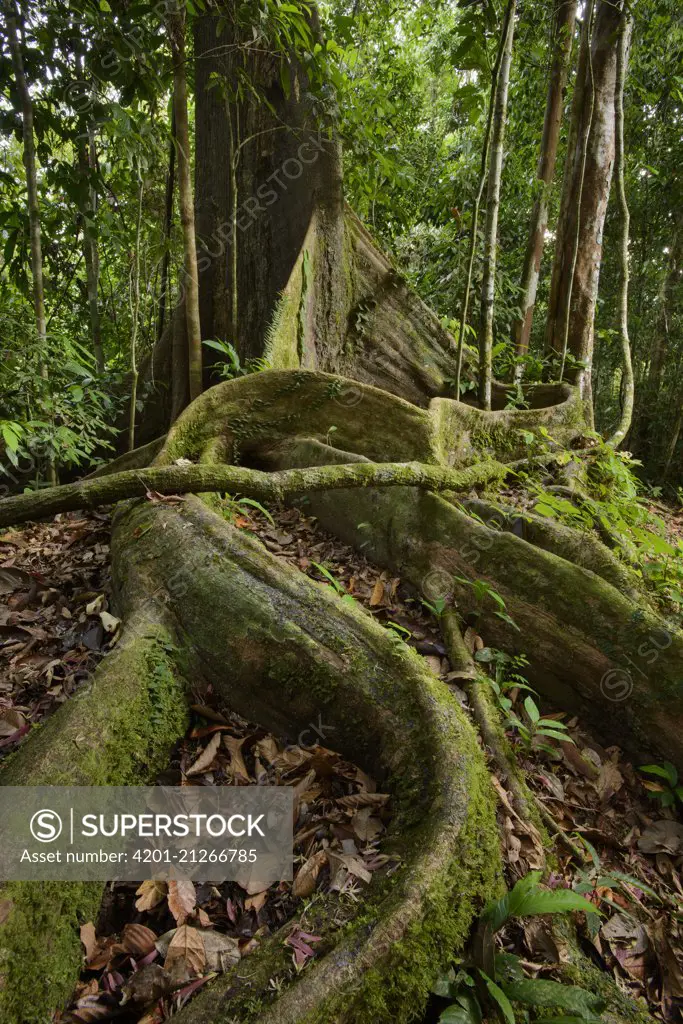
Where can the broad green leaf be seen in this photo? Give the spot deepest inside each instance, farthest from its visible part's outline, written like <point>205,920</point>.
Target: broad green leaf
<point>664,771</point>
<point>542,992</point>
<point>532,710</point>
<point>499,997</point>
<point>555,901</point>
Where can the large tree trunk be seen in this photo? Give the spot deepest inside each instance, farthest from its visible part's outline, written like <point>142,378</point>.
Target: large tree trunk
<point>564,18</point>
<point>586,187</point>
<point>201,600</point>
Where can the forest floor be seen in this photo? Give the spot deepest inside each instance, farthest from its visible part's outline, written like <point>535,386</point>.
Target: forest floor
<point>613,836</point>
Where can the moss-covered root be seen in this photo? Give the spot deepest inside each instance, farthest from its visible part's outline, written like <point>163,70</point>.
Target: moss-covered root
<point>266,487</point>
<point>288,653</point>
<point>138,458</point>
<point>592,648</point>
<point>578,546</point>
<point>488,719</point>
<point>117,731</point>
<point>465,434</point>
<point>577,969</point>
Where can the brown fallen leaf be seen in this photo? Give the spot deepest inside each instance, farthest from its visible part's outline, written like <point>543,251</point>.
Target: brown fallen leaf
<point>665,836</point>
<point>609,781</point>
<point>182,899</point>
<point>206,757</point>
<point>147,985</point>
<point>307,876</point>
<point>222,951</point>
<point>151,892</point>
<point>377,596</point>
<point>12,579</point>
<point>256,902</point>
<point>89,939</point>
<point>302,787</point>
<point>268,749</point>
<point>672,974</point>
<point>95,606</point>
<point>630,945</point>
<point>353,865</point>
<point>237,765</point>
<point>138,940</point>
<point>186,953</point>
<point>578,762</point>
<point>365,826</point>
<point>110,622</point>
<point>10,721</point>
<point>209,713</point>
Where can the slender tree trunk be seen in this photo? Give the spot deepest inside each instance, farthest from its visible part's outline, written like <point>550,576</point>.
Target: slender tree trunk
<point>564,18</point>
<point>233,119</point>
<point>492,207</point>
<point>475,211</point>
<point>134,303</point>
<point>168,227</point>
<point>14,22</point>
<point>87,164</point>
<point>586,187</point>
<point>628,385</point>
<point>176,34</point>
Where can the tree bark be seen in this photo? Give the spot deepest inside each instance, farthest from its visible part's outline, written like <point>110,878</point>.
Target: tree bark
<point>265,487</point>
<point>176,35</point>
<point>586,187</point>
<point>488,285</point>
<point>627,383</point>
<point>564,18</point>
<point>14,20</point>
<point>134,306</point>
<point>168,228</point>
<point>475,212</point>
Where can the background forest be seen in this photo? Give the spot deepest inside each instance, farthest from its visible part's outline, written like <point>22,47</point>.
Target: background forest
<point>397,288</point>
<point>408,87</point>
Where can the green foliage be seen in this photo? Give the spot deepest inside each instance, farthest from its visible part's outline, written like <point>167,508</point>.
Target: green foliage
<point>536,728</point>
<point>506,674</point>
<point>67,418</point>
<point>593,879</point>
<point>483,591</point>
<point>230,366</point>
<point>502,978</point>
<point>437,607</point>
<point>616,503</point>
<point>333,582</point>
<point>528,899</point>
<point>668,791</point>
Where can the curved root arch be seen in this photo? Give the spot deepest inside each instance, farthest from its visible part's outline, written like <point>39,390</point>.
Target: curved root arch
<point>295,652</point>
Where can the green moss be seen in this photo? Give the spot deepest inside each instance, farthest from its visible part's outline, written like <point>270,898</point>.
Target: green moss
<point>397,989</point>
<point>117,732</point>
<point>40,951</point>
<point>119,729</point>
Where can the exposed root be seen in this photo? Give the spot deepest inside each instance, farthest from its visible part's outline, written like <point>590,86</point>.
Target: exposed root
<point>273,488</point>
